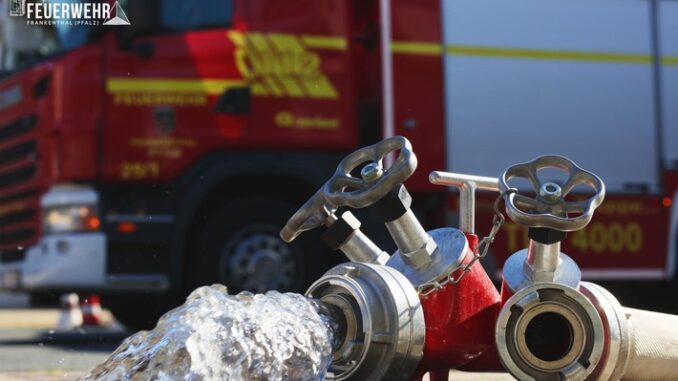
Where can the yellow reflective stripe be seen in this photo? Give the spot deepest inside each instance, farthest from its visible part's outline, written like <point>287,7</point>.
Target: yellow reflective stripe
<point>670,60</point>
<point>208,86</point>
<point>419,48</point>
<point>257,41</point>
<point>286,42</point>
<point>555,55</point>
<point>431,48</point>
<point>273,86</point>
<point>258,89</point>
<point>291,86</point>
<point>320,87</point>
<point>237,37</point>
<point>324,42</point>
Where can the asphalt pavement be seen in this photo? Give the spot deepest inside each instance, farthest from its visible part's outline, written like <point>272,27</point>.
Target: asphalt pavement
<point>32,348</point>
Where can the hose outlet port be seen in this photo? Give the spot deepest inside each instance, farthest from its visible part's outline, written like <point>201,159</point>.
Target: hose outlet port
<point>377,322</point>
<point>549,336</point>
<point>549,331</point>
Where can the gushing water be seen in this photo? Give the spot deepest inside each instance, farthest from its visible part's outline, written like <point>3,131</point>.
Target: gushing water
<point>216,336</point>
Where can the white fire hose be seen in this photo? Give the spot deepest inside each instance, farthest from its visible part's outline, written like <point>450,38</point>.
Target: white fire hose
<point>654,346</point>
<point>647,341</point>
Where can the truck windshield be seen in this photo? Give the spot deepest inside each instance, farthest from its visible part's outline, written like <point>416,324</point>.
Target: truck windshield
<point>22,45</point>
<point>180,15</point>
<point>168,16</point>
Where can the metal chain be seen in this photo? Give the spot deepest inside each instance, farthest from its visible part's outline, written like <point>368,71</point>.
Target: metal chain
<point>497,221</point>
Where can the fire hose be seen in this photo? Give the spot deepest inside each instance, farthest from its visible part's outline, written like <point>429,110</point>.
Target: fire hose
<point>430,306</point>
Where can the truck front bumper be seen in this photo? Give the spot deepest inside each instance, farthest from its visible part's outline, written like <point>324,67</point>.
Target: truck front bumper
<point>72,261</point>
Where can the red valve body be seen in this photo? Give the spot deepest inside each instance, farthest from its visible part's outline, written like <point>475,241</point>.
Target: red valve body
<point>460,321</point>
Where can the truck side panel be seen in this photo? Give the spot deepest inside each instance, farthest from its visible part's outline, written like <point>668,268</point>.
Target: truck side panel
<point>528,78</point>
<point>668,45</point>
<point>418,90</point>
<point>550,78</point>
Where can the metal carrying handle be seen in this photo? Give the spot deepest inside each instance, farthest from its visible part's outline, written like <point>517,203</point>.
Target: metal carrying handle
<point>467,185</point>
<point>549,208</point>
<point>363,192</point>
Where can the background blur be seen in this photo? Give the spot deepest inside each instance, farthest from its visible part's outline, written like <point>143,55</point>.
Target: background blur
<point>163,146</point>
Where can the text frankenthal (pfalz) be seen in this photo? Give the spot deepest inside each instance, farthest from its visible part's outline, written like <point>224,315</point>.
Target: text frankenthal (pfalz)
<point>68,13</point>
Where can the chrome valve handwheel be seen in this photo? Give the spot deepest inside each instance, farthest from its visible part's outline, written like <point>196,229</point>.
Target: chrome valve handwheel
<point>548,208</point>
<point>344,189</point>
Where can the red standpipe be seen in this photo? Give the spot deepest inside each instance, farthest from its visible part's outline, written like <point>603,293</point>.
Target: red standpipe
<point>460,320</point>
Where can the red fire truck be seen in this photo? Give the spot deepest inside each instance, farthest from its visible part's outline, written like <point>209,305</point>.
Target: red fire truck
<point>143,160</point>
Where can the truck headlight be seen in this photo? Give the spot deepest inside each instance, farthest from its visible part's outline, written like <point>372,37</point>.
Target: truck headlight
<point>69,208</point>
<point>71,218</point>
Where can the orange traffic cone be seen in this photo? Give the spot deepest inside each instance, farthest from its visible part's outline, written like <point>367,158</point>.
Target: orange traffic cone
<point>91,311</point>
<point>71,315</point>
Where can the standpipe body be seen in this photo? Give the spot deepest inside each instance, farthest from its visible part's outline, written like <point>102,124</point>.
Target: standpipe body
<point>459,317</point>
<point>460,321</point>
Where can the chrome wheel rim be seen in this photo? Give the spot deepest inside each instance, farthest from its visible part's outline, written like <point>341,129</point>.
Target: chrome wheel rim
<point>257,260</point>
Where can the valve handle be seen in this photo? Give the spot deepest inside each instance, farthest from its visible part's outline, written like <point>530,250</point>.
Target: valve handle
<point>366,192</point>
<point>311,215</point>
<point>549,208</point>
<point>343,189</point>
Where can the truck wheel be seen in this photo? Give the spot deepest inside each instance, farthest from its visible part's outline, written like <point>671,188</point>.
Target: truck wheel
<point>239,247</point>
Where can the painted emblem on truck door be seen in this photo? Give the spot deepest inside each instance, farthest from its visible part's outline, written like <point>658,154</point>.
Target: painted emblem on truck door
<point>282,65</point>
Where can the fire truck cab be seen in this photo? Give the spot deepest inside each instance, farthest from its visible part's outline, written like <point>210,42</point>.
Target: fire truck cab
<point>141,161</point>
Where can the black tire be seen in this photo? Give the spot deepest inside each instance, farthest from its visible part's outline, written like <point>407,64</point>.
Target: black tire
<point>239,246</point>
